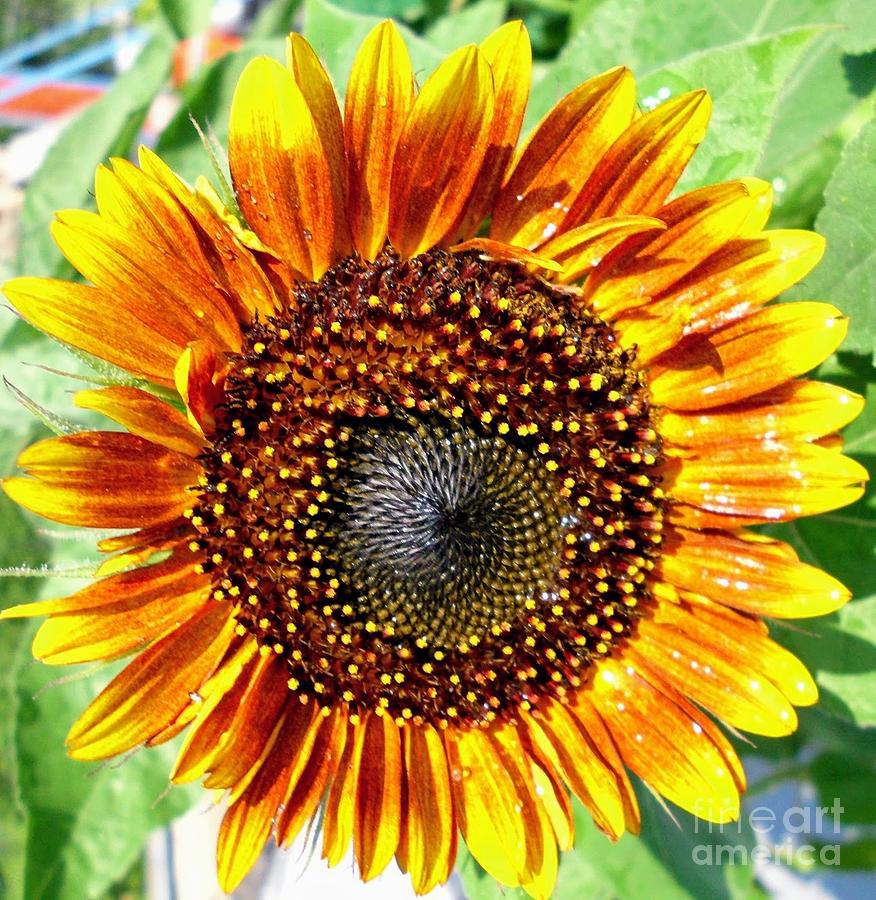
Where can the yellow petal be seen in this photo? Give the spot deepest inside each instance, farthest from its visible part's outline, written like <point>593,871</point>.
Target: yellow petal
<point>747,357</point>
<point>280,170</point>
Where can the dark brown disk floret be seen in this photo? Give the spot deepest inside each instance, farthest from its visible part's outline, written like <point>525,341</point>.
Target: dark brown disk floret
<point>431,489</point>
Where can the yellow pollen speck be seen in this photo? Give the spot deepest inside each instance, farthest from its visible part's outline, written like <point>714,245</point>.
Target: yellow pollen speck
<point>293,684</point>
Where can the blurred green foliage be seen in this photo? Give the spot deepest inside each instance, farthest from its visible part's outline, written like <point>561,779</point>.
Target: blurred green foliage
<point>793,83</point>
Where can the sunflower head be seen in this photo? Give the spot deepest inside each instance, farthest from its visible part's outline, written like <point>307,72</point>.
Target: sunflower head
<point>452,515</point>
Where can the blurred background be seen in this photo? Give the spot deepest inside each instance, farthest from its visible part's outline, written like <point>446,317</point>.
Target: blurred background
<point>793,83</point>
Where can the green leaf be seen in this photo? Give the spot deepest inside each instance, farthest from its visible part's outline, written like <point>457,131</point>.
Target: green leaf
<point>187,17</point>
<point>847,275</point>
<point>851,780</point>
<point>470,25</point>
<point>860,34</point>
<point>86,825</point>
<point>106,128</point>
<point>745,80</point>
<point>275,19</point>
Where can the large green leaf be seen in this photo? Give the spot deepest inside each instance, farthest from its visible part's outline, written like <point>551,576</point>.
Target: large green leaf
<point>847,276</point>
<point>106,128</point>
<point>822,97</point>
<point>745,79</point>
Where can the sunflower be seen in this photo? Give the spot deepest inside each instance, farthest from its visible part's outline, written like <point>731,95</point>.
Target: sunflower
<point>434,500</point>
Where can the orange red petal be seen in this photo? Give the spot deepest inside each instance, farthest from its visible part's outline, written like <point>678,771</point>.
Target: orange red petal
<point>378,796</point>
<point>76,314</point>
<point>557,159</point>
<point>778,483</point>
<point>797,410</point>
<point>316,87</point>
<point>509,55</point>
<point>440,152</point>
<point>103,479</point>
<point>380,94</point>
<point>652,723</point>
<point>145,415</point>
<point>135,273</point>
<point>153,689</point>
<point>427,849</point>
<point>637,173</point>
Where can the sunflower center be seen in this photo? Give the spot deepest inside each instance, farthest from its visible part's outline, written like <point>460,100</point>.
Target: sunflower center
<point>441,530</point>
<point>432,489</point>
